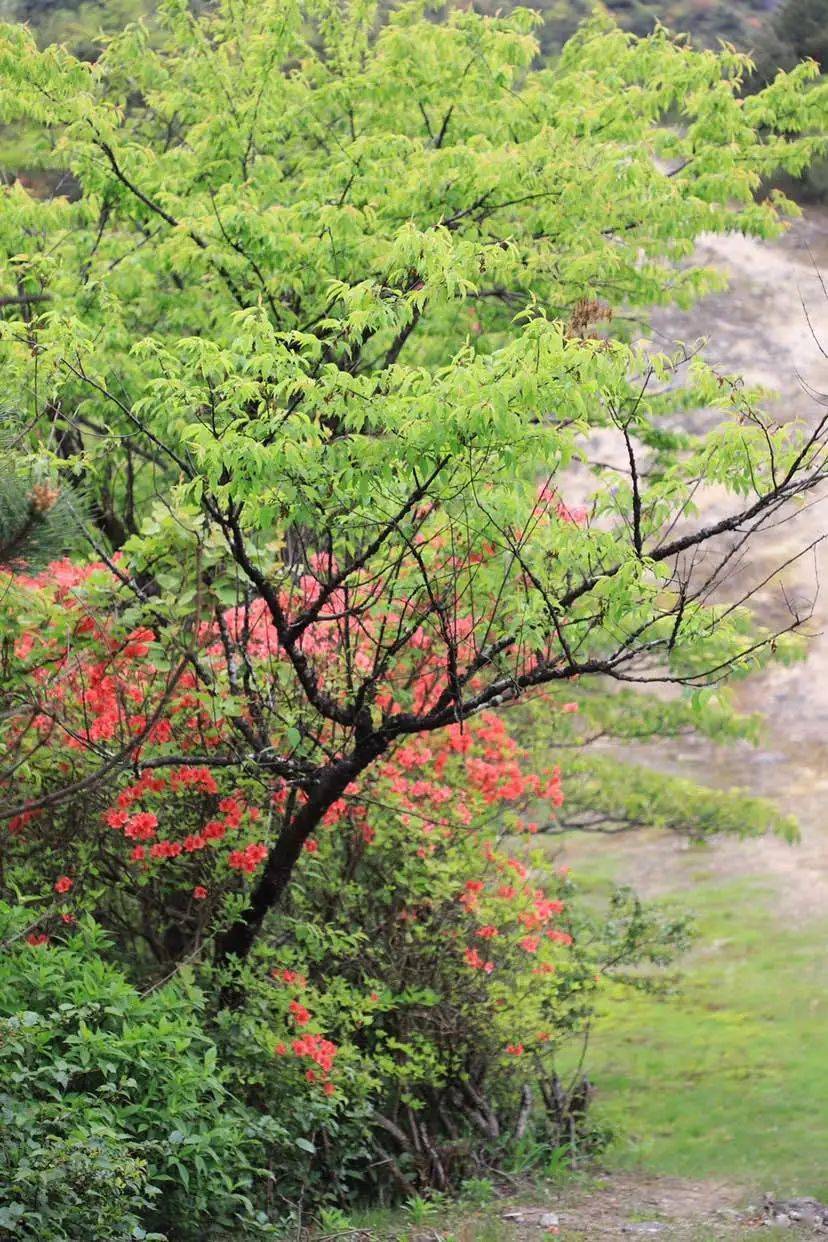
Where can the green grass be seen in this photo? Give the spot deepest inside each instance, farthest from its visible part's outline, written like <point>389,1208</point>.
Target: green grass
<point>729,1077</point>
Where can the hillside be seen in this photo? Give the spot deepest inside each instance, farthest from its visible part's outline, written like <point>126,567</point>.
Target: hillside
<point>707,21</point>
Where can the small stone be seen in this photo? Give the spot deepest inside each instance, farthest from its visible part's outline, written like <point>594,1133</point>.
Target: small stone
<point>549,1220</point>
<point>644,1226</point>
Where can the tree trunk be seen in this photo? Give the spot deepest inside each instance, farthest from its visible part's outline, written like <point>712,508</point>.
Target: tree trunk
<point>239,939</point>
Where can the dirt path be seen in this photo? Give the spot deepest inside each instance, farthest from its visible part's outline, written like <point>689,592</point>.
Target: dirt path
<point>624,1206</point>
<point>771,326</point>
<point>627,1206</point>
<point>620,1206</point>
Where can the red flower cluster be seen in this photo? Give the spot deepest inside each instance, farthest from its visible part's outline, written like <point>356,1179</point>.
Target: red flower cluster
<point>141,826</point>
<point>322,1052</point>
<point>194,778</point>
<point>247,859</point>
<point>476,962</point>
<point>319,1050</point>
<point>290,977</point>
<point>301,1016</point>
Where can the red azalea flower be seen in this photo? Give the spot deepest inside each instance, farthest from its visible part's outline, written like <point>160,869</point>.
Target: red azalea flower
<point>301,1016</point>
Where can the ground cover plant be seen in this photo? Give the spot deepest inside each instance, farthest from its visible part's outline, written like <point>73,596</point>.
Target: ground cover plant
<point>303,368</point>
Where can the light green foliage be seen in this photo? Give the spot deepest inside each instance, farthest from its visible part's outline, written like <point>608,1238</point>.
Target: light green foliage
<point>609,795</point>
<point>477,1191</point>
<point>336,302</point>
<point>311,268</point>
<point>616,796</point>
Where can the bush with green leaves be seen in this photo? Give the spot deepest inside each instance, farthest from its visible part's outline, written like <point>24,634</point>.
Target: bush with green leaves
<point>448,1001</point>
<point>115,1116</point>
<point>398,1039</point>
<point>403,1017</point>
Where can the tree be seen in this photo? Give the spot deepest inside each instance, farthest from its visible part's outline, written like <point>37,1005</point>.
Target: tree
<point>334,316</point>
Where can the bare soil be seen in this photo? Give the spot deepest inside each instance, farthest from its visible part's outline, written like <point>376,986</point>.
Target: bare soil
<point>622,1206</point>
<point>627,1206</point>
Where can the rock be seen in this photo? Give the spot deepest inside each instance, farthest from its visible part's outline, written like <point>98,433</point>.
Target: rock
<point>795,1211</point>
<point>549,1220</point>
<point>644,1227</point>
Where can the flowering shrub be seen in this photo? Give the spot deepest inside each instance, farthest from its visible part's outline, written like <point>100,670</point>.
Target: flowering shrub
<point>404,1012</point>
<point>433,1006</point>
<point>180,837</point>
<point>417,986</point>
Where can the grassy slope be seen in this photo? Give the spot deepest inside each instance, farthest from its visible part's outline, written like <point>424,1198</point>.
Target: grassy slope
<point>728,1078</point>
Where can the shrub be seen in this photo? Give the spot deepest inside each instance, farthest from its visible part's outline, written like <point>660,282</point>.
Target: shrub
<point>404,1011</point>
<point>448,988</point>
<point>399,1036</point>
<point>114,1113</point>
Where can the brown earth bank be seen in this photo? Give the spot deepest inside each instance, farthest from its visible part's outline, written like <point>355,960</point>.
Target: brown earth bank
<point>771,327</point>
<point>614,1205</point>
